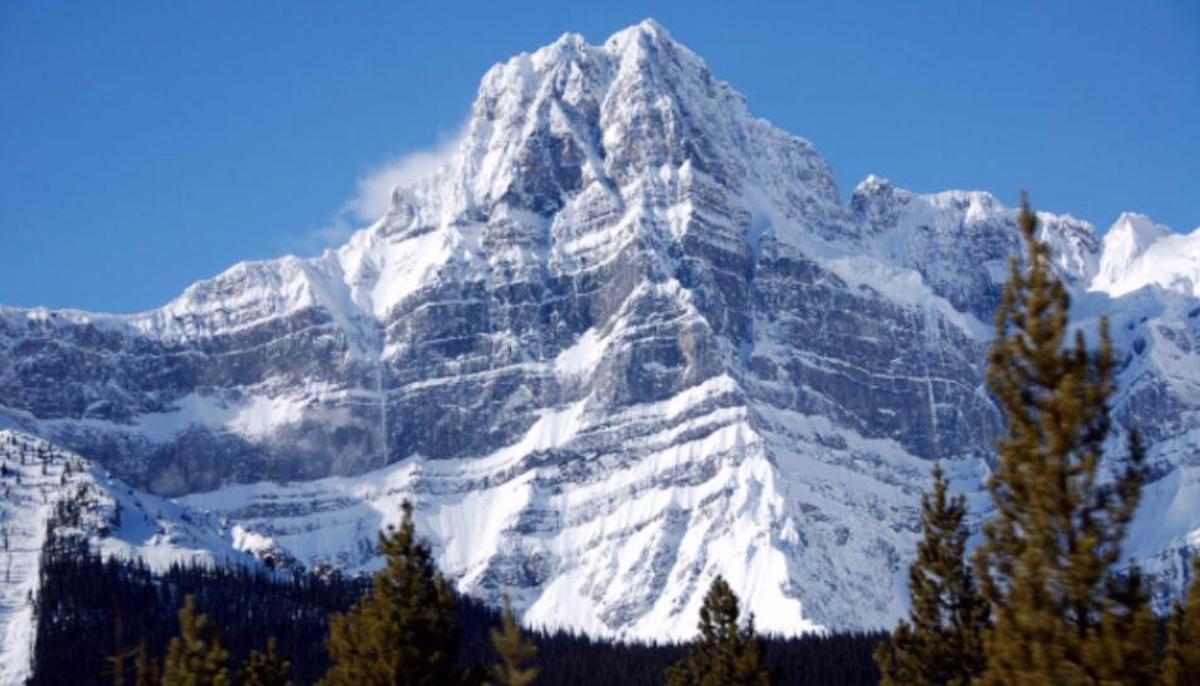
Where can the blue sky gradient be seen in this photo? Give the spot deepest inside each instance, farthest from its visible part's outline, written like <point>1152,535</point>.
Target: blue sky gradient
<point>145,145</point>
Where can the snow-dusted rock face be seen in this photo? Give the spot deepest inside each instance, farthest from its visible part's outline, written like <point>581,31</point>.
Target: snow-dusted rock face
<point>628,338</point>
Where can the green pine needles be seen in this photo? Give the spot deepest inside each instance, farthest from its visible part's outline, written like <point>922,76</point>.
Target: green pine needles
<point>516,653</point>
<point>265,669</point>
<point>1181,661</point>
<point>195,657</point>
<point>1047,564</point>
<point>725,654</point>
<point>1052,606</point>
<point>404,631</point>
<point>942,642</point>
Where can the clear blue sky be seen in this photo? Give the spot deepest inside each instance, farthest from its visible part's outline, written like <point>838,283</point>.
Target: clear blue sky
<point>147,145</point>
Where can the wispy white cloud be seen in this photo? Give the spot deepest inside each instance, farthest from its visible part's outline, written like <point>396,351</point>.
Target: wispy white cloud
<point>337,232</point>
<point>334,233</point>
<point>373,192</point>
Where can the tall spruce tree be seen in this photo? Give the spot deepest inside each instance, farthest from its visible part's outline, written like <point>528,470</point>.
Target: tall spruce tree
<point>195,657</point>
<point>1125,648</point>
<point>942,641</point>
<point>265,669</point>
<point>516,652</point>
<point>146,670</point>
<point>724,654</point>
<point>404,631</point>
<point>116,661</point>
<point>1181,662</point>
<point>1047,563</point>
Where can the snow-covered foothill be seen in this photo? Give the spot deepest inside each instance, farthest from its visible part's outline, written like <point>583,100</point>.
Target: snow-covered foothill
<point>118,521</point>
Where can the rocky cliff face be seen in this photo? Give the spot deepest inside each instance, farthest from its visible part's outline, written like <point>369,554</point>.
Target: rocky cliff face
<point>629,337</point>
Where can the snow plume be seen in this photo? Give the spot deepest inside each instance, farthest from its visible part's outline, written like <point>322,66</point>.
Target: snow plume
<point>373,192</point>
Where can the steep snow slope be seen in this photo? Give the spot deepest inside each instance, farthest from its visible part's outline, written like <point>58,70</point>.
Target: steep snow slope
<point>624,550</point>
<point>627,338</point>
<point>38,480</point>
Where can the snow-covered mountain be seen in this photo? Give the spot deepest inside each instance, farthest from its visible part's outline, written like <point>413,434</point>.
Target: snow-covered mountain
<point>627,338</point>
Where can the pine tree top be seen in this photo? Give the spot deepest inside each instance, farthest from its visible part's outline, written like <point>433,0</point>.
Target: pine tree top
<point>1047,565</point>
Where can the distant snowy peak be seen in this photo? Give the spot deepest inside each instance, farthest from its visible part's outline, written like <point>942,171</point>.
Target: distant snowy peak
<point>879,203</point>
<point>1134,233</point>
<point>1127,240</point>
<point>960,242</point>
<point>1138,252</point>
<point>973,215</point>
<point>1074,246</point>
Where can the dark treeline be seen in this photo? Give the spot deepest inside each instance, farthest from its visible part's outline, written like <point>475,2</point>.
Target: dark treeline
<point>83,599</point>
<point>84,602</point>
<point>843,658</point>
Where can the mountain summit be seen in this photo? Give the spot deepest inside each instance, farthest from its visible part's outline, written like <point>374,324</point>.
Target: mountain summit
<point>627,338</point>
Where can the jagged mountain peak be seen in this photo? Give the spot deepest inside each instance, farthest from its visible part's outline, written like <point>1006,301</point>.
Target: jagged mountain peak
<point>1138,225</point>
<point>1127,239</point>
<point>547,124</point>
<point>648,28</point>
<point>637,121</point>
<point>1137,252</point>
<point>878,202</point>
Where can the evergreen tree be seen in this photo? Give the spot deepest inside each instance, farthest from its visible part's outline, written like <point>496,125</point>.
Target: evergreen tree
<point>942,641</point>
<point>1124,650</point>
<point>265,669</point>
<point>116,661</point>
<point>195,657</point>
<point>515,651</point>
<point>1047,561</point>
<point>1181,663</point>
<point>404,631</point>
<point>724,655</point>
<point>146,672</point>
